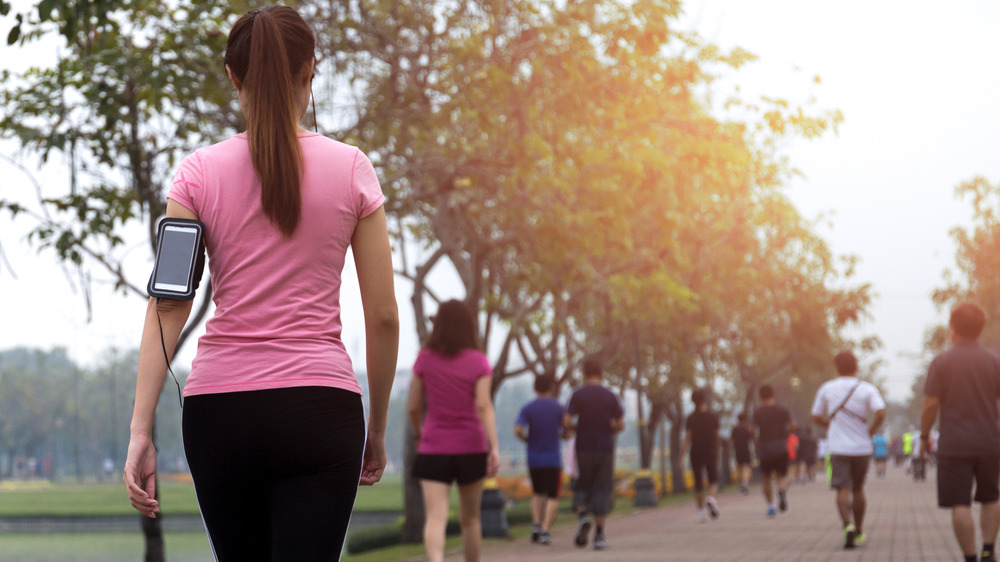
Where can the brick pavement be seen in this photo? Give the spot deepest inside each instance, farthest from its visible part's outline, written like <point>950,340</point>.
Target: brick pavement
<point>902,523</point>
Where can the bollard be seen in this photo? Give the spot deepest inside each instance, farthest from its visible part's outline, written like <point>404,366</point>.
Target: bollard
<point>493,512</point>
<point>645,489</point>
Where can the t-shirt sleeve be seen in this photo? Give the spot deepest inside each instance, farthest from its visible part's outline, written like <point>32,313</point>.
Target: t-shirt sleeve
<point>187,186</point>
<point>522,418</point>
<point>934,386</point>
<point>572,406</point>
<point>485,369</point>
<point>819,404</point>
<point>619,410</point>
<point>364,182</point>
<point>419,365</point>
<point>875,401</point>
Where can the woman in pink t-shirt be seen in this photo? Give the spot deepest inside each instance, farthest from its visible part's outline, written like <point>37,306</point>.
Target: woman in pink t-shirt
<point>457,433</point>
<point>273,419</point>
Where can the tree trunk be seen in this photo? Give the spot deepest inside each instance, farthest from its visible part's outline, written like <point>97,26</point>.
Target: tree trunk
<point>674,411</point>
<point>413,499</point>
<point>663,459</point>
<point>152,528</point>
<point>152,532</point>
<point>676,457</point>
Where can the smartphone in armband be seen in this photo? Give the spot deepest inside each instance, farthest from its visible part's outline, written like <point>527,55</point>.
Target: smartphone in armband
<point>180,259</point>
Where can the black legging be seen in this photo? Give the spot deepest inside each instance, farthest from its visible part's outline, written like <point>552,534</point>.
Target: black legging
<point>276,471</point>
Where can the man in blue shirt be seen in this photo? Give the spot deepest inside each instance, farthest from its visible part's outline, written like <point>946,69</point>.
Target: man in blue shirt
<point>540,426</point>
<point>599,418</point>
<point>881,444</point>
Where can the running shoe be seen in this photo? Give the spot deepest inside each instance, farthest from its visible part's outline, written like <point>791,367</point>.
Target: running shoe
<point>988,556</point>
<point>701,516</point>
<point>783,500</point>
<point>850,535</point>
<point>600,543</point>
<point>713,507</point>
<point>744,488</point>
<point>583,532</point>
<point>860,539</point>
<point>544,538</point>
<point>536,532</point>
<point>772,511</point>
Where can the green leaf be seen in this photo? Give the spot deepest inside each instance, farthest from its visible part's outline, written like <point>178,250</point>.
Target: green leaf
<point>15,32</point>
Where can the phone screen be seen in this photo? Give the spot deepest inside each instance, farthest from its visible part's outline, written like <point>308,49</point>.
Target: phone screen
<point>174,259</point>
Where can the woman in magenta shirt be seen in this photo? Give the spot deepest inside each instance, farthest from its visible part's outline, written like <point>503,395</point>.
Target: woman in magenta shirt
<point>273,422</point>
<point>458,433</point>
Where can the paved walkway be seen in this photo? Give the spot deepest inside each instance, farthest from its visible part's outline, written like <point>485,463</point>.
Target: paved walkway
<point>903,523</point>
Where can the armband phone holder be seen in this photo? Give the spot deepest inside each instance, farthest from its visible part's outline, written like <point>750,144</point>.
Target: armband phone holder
<point>180,259</point>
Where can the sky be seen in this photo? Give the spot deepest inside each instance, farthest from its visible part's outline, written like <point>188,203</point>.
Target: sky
<point>917,83</point>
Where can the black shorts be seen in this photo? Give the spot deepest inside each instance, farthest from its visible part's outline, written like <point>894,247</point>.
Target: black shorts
<point>849,471</point>
<point>546,481</point>
<point>777,464</point>
<point>743,457</point>
<point>711,469</point>
<point>593,486</point>
<point>955,476</point>
<point>464,469</point>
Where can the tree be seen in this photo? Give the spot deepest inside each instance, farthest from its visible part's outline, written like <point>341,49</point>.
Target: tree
<point>136,85</point>
<point>977,263</point>
<point>562,159</point>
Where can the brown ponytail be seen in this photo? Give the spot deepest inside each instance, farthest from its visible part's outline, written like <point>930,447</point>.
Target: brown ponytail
<point>267,51</point>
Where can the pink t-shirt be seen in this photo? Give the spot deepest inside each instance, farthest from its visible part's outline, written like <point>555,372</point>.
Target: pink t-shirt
<point>277,299</point>
<point>451,424</point>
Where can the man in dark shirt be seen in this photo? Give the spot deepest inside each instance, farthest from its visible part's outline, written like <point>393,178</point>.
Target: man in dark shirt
<point>772,423</point>
<point>808,449</point>
<point>963,383</point>
<point>740,438</point>
<point>599,416</point>
<point>701,437</point>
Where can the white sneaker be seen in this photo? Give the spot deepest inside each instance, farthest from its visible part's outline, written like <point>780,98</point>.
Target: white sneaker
<point>713,507</point>
<point>701,516</point>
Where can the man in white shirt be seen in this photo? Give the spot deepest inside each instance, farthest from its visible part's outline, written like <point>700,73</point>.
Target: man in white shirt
<point>843,406</point>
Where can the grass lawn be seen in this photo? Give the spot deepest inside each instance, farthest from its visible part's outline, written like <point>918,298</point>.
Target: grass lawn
<point>91,499</point>
<point>177,498</point>
<point>99,547</point>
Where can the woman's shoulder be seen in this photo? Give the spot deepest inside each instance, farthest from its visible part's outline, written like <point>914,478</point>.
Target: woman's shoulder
<point>327,145</point>
<point>235,145</point>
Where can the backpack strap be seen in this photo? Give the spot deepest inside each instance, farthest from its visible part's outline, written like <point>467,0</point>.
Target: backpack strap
<point>844,403</point>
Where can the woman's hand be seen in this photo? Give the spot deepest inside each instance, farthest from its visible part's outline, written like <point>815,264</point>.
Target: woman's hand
<point>374,461</point>
<point>493,462</point>
<point>140,475</point>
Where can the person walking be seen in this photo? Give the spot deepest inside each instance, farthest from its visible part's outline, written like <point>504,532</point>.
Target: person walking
<point>701,439</point>
<point>739,439</point>
<point>273,420</point>
<point>808,454</point>
<point>772,423</point>
<point>963,385</point>
<point>458,434</point>
<point>539,424</point>
<point>843,406</point>
<point>793,456</point>
<point>599,417</point>
<point>881,445</point>
<point>918,466</point>
<point>908,447</point>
